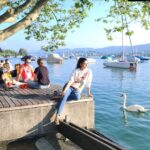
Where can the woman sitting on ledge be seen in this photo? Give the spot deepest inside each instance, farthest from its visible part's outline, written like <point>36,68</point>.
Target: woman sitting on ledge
<point>80,77</point>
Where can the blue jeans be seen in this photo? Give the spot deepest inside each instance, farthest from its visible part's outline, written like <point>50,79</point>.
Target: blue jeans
<point>36,85</point>
<point>71,94</point>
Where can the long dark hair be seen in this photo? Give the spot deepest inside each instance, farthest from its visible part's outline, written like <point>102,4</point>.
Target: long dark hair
<point>80,61</point>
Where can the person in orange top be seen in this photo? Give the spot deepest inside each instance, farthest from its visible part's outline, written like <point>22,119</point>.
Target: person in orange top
<point>26,71</point>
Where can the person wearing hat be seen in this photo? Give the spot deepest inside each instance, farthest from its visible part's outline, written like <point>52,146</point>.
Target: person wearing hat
<point>26,72</point>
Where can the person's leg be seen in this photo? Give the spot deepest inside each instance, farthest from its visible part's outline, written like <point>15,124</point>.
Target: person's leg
<point>75,95</point>
<point>63,101</point>
<point>33,84</point>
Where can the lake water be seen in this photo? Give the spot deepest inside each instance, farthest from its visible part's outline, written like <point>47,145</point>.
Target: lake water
<point>132,130</point>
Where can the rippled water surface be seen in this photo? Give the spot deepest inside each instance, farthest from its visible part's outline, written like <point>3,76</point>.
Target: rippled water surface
<point>132,130</point>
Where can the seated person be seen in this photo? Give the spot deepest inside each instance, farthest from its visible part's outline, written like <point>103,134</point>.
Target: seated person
<point>1,63</point>
<point>80,77</point>
<point>10,65</point>
<point>41,76</point>
<point>26,72</point>
<point>15,72</point>
<point>6,75</point>
<point>1,71</point>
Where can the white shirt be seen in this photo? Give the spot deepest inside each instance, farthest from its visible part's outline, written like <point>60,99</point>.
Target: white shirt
<point>80,78</point>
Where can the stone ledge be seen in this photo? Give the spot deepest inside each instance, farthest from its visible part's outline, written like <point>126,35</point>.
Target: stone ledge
<point>20,122</point>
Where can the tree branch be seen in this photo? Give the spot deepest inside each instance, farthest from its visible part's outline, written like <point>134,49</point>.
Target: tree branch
<point>13,12</point>
<point>3,2</point>
<point>34,13</point>
<point>55,17</point>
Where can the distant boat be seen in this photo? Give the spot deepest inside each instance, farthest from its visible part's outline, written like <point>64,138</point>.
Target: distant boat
<point>104,57</point>
<point>142,58</point>
<point>54,58</point>
<point>107,57</point>
<point>133,59</point>
<point>120,64</point>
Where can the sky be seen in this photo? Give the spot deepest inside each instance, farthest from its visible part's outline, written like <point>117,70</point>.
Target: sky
<point>91,34</point>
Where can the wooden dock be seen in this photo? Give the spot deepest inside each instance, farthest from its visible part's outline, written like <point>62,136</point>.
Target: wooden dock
<point>20,98</point>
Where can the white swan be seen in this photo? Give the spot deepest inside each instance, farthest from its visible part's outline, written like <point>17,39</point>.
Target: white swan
<point>133,108</point>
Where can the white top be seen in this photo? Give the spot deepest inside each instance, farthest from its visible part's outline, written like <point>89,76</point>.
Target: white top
<point>80,78</point>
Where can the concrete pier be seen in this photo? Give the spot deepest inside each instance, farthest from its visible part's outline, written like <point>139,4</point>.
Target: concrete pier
<point>26,112</point>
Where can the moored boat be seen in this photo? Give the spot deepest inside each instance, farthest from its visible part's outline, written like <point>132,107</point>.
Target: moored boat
<point>120,64</point>
<point>142,58</point>
<point>54,58</point>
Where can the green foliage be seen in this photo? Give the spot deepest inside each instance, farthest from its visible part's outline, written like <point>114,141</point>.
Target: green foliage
<point>55,20</point>
<point>129,33</point>
<point>123,13</point>
<point>8,52</point>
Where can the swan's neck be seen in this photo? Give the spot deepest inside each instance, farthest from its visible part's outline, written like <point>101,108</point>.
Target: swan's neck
<point>124,102</point>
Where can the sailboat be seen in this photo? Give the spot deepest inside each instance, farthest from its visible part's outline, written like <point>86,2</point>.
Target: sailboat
<point>121,63</point>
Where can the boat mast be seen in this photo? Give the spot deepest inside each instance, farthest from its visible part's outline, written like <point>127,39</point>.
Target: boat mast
<point>129,36</point>
<point>122,39</point>
<point>122,21</point>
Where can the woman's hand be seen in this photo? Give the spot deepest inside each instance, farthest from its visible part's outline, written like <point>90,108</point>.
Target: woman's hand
<point>90,95</point>
<point>63,93</point>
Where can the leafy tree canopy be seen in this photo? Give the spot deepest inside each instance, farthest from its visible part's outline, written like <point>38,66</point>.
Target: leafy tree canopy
<point>8,52</point>
<point>123,13</point>
<point>43,20</point>
<point>50,20</point>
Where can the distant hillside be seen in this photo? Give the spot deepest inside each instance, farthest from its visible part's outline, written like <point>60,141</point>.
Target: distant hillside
<point>118,49</point>
<point>111,49</point>
<point>106,50</point>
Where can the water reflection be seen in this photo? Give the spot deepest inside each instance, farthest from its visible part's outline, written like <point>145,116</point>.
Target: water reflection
<point>122,75</point>
<point>125,117</point>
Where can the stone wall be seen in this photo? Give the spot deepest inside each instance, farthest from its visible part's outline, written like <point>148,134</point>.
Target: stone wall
<point>35,120</point>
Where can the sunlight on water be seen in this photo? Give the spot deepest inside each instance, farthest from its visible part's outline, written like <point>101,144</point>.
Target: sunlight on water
<point>132,130</point>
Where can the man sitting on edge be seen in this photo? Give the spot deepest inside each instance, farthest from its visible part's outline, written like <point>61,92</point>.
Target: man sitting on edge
<point>41,76</point>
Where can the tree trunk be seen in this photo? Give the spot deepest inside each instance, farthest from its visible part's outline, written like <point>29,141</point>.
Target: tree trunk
<point>34,13</point>
<point>3,2</point>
